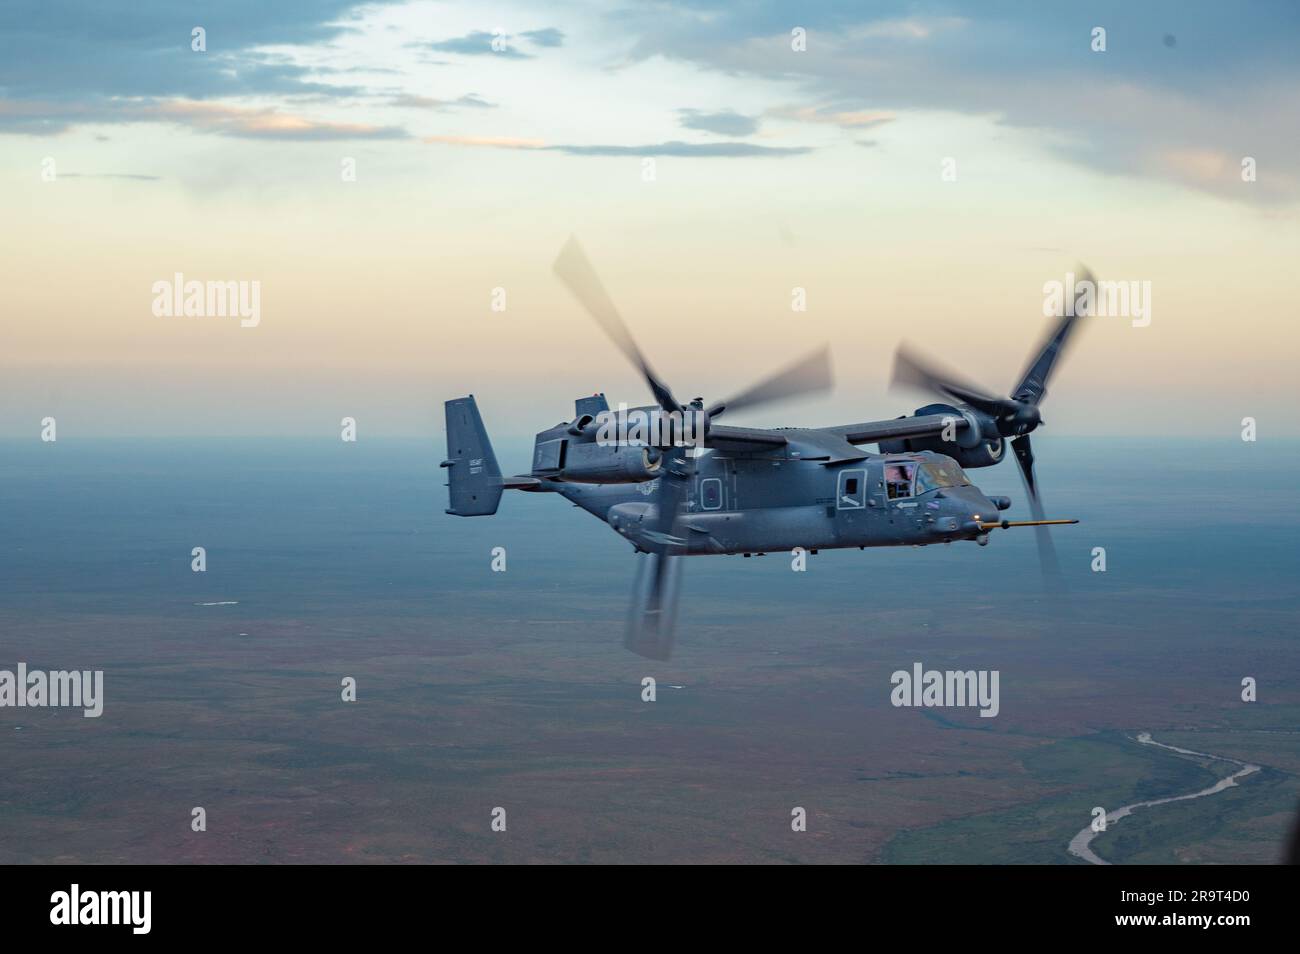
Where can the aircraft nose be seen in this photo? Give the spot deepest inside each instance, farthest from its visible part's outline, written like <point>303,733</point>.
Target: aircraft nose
<point>975,509</point>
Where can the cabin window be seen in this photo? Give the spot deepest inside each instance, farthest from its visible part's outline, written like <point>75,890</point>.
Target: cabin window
<point>711,491</point>
<point>898,480</point>
<point>851,490</point>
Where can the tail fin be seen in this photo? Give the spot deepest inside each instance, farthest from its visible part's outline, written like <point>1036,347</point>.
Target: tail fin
<point>473,477</point>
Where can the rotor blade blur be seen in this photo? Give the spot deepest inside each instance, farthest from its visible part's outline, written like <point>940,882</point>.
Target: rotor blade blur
<point>1033,383</point>
<point>811,374</point>
<point>913,370</point>
<point>652,617</point>
<point>1047,560</point>
<point>572,267</point>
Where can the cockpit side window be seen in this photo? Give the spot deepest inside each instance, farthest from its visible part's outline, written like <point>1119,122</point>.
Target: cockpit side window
<point>935,474</point>
<point>898,480</point>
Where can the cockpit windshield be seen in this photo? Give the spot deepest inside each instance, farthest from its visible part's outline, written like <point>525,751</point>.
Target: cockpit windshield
<point>933,474</point>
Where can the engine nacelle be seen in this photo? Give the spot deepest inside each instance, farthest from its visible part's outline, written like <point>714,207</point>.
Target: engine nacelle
<point>642,426</point>
<point>978,444</point>
<point>592,463</point>
<point>988,453</point>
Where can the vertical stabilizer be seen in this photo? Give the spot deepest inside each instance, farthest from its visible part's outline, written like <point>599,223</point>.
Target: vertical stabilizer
<point>473,477</point>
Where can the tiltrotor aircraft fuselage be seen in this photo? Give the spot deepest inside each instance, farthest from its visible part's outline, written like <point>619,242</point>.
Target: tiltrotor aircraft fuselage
<point>673,482</point>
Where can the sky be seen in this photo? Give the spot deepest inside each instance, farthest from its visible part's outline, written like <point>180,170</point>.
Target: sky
<point>387,173</point>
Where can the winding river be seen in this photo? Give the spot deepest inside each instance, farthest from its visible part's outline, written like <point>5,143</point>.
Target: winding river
<point>1079,844</point>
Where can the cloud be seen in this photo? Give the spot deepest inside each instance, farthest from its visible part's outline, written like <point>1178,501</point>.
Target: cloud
<point>479,43</point>
<point>55,49</point>
<point>687,149</point>
<point>470,100</point>
<point>43,118</point>
<point>707,150</point>
<point>1219,172</point>
<point>1221,89</point>
<point>547,37</point>
<point>265,123</point>
<point>496,43</point>
<point>495,142</point>
<point>821,114</point>
<point>109,175</point>
<point>908,28</point>
<point>1204,165</point>
<point>724,123</point>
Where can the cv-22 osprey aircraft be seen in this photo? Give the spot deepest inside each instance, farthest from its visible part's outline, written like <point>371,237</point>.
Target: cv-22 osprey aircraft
<point>674,482</point>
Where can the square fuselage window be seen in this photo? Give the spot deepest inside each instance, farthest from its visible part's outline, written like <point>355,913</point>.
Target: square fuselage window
<point>898,480</point>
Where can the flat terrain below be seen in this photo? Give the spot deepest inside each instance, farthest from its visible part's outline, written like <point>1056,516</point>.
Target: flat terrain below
<point>478,690</point>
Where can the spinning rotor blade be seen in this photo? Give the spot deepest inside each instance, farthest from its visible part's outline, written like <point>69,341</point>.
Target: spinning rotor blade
<point>1033,383</point>
<point>573,268</point>
<point>1015,417</point>
<point>912,369</point>
<point>809,375</point>
<point>652,617</point>
<point>652,614</point>
<point>1051,567</point>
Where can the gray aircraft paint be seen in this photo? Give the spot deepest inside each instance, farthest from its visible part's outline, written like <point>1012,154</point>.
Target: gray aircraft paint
<point>761,490</point>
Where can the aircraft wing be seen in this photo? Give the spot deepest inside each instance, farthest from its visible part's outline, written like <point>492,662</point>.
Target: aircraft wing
<point>872,431</point>
<point>743,439</point>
